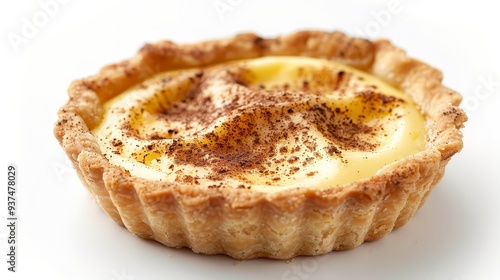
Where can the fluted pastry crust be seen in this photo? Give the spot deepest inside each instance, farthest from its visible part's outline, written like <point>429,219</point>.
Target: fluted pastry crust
<point>245,223</point>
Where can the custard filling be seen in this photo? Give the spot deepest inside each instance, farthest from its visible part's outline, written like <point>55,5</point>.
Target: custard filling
<point>267,123</point>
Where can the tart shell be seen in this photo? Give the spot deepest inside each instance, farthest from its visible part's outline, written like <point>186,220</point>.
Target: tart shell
<point>246,223</point>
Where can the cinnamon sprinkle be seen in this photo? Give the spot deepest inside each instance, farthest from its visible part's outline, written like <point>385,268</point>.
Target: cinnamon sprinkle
<point>259,118</point>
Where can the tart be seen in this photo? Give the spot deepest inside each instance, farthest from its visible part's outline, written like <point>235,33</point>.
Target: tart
<point>262,147</point>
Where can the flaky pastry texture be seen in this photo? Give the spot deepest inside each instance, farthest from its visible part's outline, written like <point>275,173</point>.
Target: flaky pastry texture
<point>246,223</point>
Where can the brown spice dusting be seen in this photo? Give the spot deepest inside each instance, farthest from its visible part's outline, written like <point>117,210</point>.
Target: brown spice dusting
<point>259,119</point>
<point>293,160</point>
<point>332,150</point>
<point>294,170</point>
<point>116,142</point>
<point>296,149</point>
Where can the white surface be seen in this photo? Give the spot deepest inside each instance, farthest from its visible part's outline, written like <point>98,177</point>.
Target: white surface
<point>64,235</point>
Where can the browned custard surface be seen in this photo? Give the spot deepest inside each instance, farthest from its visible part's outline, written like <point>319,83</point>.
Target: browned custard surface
<point>267,123</point>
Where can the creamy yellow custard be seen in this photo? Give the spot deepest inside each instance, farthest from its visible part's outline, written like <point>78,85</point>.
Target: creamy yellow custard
<point>268,123</point>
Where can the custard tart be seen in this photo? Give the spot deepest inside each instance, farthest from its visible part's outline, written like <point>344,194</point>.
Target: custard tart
<point>262,147</point>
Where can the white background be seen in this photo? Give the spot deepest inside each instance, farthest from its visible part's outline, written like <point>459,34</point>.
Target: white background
<point>62,234</point>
